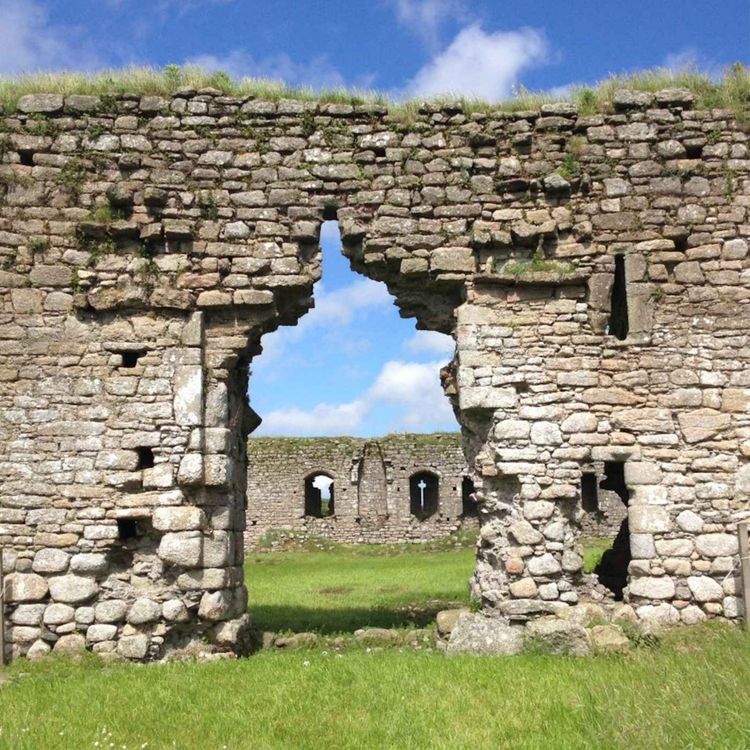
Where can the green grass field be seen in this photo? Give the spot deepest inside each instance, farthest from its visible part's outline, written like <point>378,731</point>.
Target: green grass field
<point>688,692</point>
<point>347,588</point>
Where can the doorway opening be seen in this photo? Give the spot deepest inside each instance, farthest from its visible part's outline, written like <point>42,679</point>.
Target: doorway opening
<point>469,508</point>
<point>612,570</point>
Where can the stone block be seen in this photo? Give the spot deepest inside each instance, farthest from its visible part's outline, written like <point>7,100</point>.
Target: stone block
<point>72,589</point>
<point>556,636</point>
<point>100,633</point>
<point>40,103</point>
<point>717,545</point>
<point>543,565</point>
<point>705,589</point>
<point>110,611</point>
<point>188,395</point>
<point>144,611</point>
<point>648,519</point>
<point>25,587</point>
<point>50,560</point>
<point>133,646</point>
<point>179,518</point>
<point>652,587</point>
<point>480,635</point>
<point>184,549</point>
<point>59,614</point>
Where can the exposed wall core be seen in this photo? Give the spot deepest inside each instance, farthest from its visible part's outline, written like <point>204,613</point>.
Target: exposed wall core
<point>181,230</point>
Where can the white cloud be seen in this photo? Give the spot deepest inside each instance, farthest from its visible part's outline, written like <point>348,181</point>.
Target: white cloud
<point>238,63</point>
<point>416,389</point>
<point>412,387</point>
<point>480,64</point>
<point>430,342</point>
<point>322,419</point>
<point>333,310</point>
<point>30,43</point>
<point>424,18</point>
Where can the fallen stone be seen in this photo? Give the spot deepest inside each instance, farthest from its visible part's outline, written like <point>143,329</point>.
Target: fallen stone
<point>484,636</point>
<point>557,636</point>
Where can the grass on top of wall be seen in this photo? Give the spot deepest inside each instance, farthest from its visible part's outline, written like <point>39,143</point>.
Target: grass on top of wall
<point>690,692</point>
<point>731,91</point>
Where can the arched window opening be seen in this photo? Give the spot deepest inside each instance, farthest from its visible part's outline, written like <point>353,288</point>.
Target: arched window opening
<point>468,499</point>
<point>424,494</point>
<point>319,495</point>
<point>612,570</point>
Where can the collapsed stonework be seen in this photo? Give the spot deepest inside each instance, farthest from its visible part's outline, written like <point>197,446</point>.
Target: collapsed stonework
<point>398,488</point>
<point>593,270</point>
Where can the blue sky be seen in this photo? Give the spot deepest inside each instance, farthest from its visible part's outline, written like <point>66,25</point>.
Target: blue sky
<point>353,366</point>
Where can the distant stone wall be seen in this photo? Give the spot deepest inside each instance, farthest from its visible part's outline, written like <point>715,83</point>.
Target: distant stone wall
<point>371,487</point>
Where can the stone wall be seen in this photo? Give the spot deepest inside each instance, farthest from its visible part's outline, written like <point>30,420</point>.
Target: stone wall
<point>146,244</point>
<point>371,502</point>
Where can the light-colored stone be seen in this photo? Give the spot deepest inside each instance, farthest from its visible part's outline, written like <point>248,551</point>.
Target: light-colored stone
<point>556,636</point>
<point>72,589</point>
<point>480,635</point>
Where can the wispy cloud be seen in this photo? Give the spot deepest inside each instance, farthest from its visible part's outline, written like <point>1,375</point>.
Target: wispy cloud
<point>316,73</point>
<point>29,42</point>
<point>692,59</point>
<point>413,388</point>
<point>425,18</point>
<point>430,342</point>
<point>480,64</point>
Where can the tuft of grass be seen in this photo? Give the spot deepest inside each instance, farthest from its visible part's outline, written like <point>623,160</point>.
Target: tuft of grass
<point>731,91</point>
<point>593,549</point>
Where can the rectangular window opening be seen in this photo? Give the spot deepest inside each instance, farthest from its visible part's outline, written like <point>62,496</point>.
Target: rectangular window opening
<point>130,358</point>
<point>127,528</point>
<point>145,458</point>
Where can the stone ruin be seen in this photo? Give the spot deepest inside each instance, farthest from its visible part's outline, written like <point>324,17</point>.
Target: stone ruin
<point>357,490</point>
<point>592,269</point>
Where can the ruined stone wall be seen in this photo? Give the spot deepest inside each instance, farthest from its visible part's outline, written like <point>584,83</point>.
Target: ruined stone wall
<point>183,229</point>
<point>279,467</point>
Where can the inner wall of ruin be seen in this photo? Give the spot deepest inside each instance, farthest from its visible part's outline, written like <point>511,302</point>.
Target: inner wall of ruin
<point>372,490</point>
<point>147,243</point>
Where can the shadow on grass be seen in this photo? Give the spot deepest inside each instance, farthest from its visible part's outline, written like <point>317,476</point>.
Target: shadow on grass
<point>345,619</point>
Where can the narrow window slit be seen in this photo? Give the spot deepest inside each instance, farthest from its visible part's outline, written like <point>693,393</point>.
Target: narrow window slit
<point>589,493</point>
<point>618,319</point>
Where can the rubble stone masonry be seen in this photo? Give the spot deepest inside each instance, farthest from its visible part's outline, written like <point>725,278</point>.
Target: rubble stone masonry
<point>592,269</point>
